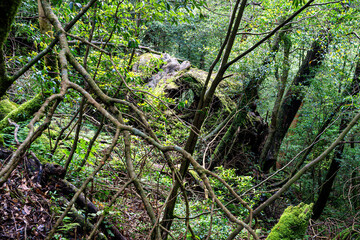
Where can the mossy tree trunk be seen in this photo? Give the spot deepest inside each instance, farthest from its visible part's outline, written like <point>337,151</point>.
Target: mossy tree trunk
<point>27,109</point>
<point>336,160</point>
<point>8,10</point>
<point>294,98</point>
<point>50,59</point>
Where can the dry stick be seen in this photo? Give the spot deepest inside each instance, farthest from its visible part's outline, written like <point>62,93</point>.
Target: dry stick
<point>211,220</point>
<point>112,201</point>
<point>109,38</point>
<point>102,162</point>
<point>168,232</point>
<point>88,43</point>
<point>15,131</point>
<point>77,133</point>
<point>136,182</point>
<point>93,24</point>
<point>300,173</point>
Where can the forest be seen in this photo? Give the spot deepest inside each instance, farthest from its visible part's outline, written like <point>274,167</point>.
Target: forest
<point>180,119</point>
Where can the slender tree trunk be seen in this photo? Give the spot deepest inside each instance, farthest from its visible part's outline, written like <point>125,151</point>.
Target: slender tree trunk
<point>8,10</point>
<point>202,109</point>
<point>282,85</point>
<point>294,98</point>
<point>50,59</point>
<point>336,160</point>
<point>250,94</point>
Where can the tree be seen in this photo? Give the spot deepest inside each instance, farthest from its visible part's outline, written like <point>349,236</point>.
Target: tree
<point>106,86</point>
<point>8,10</point>
<point>293,100</point>
<point>336,159</point>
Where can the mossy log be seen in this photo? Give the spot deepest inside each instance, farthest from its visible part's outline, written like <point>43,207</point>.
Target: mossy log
<point>292,224</point>
<point>24,112</point>
<point>6,106</point>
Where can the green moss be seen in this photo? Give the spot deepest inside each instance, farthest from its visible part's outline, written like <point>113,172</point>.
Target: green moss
<point>6,106</point>
<point>292,224</point>
<point>24,112</point>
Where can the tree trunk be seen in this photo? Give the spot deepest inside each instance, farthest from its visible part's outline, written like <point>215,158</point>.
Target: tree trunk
<point>335,162</point>
<point>294,98</point>
<point>50,59</point>
<point>245,106</point>
<point>280,94</point>
<point>8,10</point>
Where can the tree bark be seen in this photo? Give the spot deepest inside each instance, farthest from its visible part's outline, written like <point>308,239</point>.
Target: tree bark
<point>294,98</point>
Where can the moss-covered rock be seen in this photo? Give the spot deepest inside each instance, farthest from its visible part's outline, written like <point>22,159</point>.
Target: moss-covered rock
<point>6,106</point>
<point>196,79</point>
<point>292,224</point>
<point>182,82</point>
<point>147,64</point>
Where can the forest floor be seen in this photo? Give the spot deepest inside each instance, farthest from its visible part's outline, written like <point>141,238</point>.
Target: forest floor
<point>25,207</point>
<point>28,210</point>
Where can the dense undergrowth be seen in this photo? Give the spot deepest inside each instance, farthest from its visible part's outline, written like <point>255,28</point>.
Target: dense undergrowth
<point>166,90</point>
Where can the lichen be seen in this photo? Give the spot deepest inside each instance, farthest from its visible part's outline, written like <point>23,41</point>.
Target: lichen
<point>292,224</point>
<point>6,106</point>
